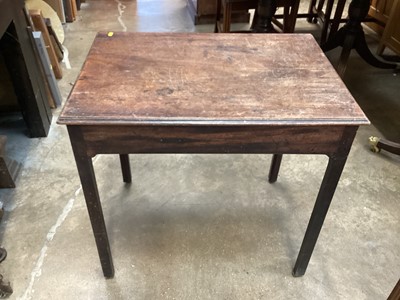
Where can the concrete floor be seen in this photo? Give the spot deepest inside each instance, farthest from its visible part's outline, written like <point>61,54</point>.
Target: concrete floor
<point>201,226</point>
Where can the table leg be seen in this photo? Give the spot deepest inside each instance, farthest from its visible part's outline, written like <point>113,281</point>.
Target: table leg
<point>395,294</point>
<point>89,187</point>
<point>274,169</point>
<point>326,191</point>
<point>126,168</point>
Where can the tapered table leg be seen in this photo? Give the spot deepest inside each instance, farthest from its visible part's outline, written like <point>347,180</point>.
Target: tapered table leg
<point>126,168</point>
<point>274,169</point>
<point>326,191</point>
<point>89,187</point>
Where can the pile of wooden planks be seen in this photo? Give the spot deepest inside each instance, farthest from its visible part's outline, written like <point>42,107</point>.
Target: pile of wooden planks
<point>53,47</point>
<point>50,54</point>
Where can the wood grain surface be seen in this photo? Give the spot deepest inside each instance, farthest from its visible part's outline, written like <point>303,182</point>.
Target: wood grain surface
<point>204,79</point>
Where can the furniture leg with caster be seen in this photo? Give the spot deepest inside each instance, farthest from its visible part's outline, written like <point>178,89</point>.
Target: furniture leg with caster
<point>378,144</point>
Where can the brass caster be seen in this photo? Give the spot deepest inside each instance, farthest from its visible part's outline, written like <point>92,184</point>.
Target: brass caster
<point>373,142</point>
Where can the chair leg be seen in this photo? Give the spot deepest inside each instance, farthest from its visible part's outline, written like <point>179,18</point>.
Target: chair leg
<point>227,17</point>
<point>326,21</point>
<point>320,5</point>
<point>311,19</point>
<point>217,16</point>
<point>337,17</point>
<point>254,21</point>
<point>286,19</point>
<point>293,15</point>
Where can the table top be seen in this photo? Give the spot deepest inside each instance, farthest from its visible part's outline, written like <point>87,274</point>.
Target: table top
<point>209,79</point>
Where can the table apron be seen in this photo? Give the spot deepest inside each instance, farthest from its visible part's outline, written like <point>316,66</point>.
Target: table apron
<point>213,139</point>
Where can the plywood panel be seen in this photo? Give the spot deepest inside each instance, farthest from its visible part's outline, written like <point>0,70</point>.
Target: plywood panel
<point>41,26</point>
<point>58,6</point>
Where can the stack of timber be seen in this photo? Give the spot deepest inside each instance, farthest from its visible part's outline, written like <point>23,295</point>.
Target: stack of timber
<point>49,52</point>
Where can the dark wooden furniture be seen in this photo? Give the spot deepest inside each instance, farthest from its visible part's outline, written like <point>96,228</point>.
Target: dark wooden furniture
<point>395,294</point>
<point>377,144</point>
<point>227,7</point>
<point>209,93</point>
<point>351,36</point>
<point>203,12</point>
<point>391,34</point>
<point>322,11</point>
<point>265,15</point>
<point>16,45</point>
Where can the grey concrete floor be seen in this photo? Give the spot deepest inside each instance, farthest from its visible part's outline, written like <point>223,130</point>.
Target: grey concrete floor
<point>201,226</point>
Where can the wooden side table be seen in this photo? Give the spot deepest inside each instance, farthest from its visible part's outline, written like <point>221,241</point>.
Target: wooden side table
<point>209,93</point>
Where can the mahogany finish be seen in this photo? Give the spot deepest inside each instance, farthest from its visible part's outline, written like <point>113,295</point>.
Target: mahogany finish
<point>206,93</point>
<point>186,78</point>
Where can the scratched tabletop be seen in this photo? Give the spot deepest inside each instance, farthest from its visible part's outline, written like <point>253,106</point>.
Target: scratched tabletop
<point>194,78</point>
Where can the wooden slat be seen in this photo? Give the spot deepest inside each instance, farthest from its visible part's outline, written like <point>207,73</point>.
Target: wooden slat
<point>58,6</point>
<point>40,25</point>
<point>74,9</point>
<point>50,80</point>
<point>68,10</point>
<point>54,40</point>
